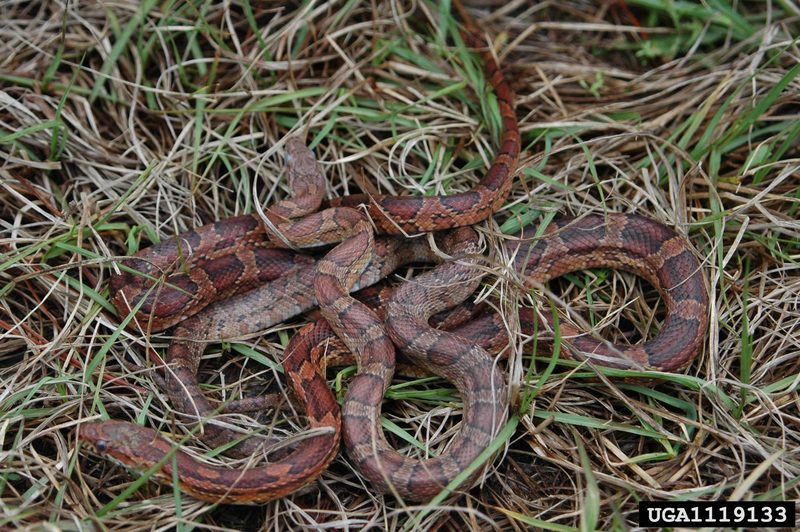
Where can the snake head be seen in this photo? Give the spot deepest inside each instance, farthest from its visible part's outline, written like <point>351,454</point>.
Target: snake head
<point>301,163</point>
<point>125,443</point>
<point>296,150</point>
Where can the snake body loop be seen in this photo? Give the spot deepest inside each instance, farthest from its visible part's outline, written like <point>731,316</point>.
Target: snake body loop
<point>467,365</point>
<point>632,243</point>
<point>143,448</point>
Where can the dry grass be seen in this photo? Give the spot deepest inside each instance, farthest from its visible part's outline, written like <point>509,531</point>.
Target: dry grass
<point>122,124</point>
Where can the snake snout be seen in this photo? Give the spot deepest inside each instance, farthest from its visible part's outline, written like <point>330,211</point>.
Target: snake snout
<point>295,147</point>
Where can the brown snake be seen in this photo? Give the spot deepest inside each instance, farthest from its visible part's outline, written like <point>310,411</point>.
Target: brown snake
<point>238,254</point>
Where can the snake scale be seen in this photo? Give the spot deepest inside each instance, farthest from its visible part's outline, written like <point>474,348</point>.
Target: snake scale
<point>238,269</point>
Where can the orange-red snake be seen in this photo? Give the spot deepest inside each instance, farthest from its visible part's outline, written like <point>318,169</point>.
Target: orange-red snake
<point>241,257</point>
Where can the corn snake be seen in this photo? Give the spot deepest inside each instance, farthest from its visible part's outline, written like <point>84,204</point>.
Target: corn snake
<point>225,265</point>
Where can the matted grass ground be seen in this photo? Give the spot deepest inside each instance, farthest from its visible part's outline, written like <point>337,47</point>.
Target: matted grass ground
<point>124,123</point>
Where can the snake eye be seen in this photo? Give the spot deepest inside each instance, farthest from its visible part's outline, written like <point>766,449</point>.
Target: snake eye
<point>101,446</point>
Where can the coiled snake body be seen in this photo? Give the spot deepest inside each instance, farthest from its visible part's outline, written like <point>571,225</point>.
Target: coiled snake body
<point>236,255</point>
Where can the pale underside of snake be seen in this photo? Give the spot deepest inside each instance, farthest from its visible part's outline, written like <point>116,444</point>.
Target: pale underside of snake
<point>237,256</point>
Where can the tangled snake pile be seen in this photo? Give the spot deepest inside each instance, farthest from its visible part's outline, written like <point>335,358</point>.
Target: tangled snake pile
<point>242,270</point>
